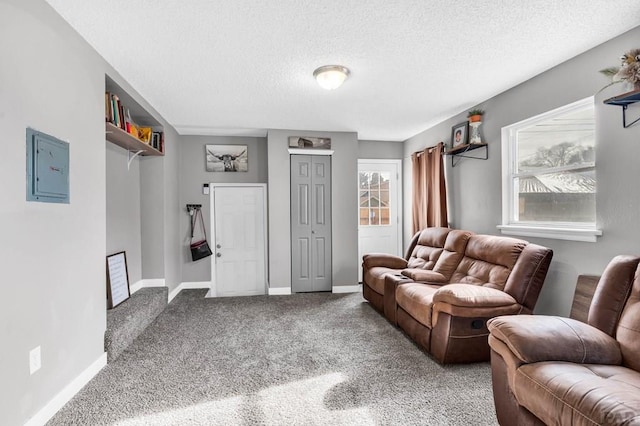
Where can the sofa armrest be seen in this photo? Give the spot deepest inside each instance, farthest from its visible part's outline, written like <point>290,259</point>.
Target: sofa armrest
<point>424,276</point>
<point>472,296</point>
<point>537,338</point>
<point>381,259</point>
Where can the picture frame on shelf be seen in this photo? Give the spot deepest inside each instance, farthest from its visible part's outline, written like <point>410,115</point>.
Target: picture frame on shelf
<point>306,142</point>
<point>460,134</point>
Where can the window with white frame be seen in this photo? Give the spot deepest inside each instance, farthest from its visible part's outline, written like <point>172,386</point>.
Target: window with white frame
<point>549,179</point>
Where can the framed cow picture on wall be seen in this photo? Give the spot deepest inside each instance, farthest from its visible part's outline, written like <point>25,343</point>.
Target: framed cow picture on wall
<point>227,158</point>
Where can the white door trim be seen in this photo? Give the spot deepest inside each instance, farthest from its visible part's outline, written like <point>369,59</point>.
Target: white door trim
<point>212,186</point>
<point>400,209</point>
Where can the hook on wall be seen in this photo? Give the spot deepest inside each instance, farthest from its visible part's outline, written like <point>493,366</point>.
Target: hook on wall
<point>192,208</point>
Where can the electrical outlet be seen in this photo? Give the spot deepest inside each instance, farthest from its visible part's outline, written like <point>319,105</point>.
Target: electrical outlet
<point>35,362</point>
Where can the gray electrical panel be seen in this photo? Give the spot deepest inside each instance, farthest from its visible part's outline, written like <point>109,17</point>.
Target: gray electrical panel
<point>47,168</point>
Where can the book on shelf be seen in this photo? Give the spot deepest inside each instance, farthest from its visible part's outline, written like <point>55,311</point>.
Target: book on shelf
<point>116,113</point>
<point>156,141</point>
<point>120,116</point>
<point>127,121</point>
<point>108,113</point>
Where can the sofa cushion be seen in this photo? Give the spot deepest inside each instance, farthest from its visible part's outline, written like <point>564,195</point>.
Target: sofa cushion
<point>417,300</point>
<point>502,251</point>
<point>424,257</point>
<point>453,251</point>
<point>465,295</point>
<point>480,272</point>
<point>433,237</point>
<point>579,394</point>
<point>488,260</point>
<point>424,276</point>
<point>428,248</point>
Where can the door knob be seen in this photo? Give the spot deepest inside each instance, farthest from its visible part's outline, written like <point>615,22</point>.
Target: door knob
<point>313,232</point>
<point>218,254</point>
<point>218,246</point>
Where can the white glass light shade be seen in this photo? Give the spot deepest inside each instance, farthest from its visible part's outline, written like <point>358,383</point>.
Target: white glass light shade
<point>331,77</point>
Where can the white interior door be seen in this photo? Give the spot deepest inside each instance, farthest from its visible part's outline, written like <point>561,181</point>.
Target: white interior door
<point>380,198</point>
<point>239,240</point>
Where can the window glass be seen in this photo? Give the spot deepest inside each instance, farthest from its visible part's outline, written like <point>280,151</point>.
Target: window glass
<point>550,178</point>
<point>374,198</point>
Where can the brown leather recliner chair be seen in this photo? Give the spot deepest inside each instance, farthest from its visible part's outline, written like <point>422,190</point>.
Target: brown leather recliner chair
<point>560,371</point>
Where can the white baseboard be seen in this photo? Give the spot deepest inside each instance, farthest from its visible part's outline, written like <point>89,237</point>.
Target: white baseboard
<point>279,291</point>
<point>155,282</point>
<point>68,392</point>
<point>188,286</point>
<point>346,289</point>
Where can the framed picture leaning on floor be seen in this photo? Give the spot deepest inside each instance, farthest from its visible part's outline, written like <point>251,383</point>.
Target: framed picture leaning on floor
<point>117,279</point>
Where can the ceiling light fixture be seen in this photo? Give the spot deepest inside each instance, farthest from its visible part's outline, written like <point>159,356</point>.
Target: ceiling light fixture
<point>331,77</point>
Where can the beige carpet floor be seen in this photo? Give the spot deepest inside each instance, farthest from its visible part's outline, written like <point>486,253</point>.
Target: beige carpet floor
<point>305,359</point>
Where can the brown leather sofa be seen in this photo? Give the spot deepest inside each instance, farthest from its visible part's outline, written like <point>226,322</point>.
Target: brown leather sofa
<point>448,285</point>
<point>554,370</point>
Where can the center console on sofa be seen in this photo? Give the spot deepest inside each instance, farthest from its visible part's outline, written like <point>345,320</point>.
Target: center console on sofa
<point>449,284</point>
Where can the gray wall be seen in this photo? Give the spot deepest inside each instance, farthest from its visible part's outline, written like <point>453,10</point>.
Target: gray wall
<point>123,208</point>
<point>344,169</point>
<point>193,174</point>
<point>380,150</point>
<point>172,209</point>
<point>53,256</point>
<point>152,212</point>
<point>475,185</point>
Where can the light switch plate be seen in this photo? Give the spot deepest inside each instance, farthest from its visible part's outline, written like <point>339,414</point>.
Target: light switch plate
<point>35,360</point>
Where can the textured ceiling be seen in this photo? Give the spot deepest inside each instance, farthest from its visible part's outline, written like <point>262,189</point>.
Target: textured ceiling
<point>239,67</point>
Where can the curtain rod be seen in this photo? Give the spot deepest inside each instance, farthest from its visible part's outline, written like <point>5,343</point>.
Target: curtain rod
<point>430,148</point>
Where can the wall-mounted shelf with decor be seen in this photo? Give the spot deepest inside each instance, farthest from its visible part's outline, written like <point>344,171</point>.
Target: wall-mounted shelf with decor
<point>624,101</point>
<point>123,117</point>
<point>127,141</point>
<point>460,151</point>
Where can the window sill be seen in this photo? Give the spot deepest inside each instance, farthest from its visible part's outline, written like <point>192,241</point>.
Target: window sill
<point>570,234</point>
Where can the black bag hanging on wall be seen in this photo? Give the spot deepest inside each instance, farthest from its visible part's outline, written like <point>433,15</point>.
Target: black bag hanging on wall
<point>199,249</point>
